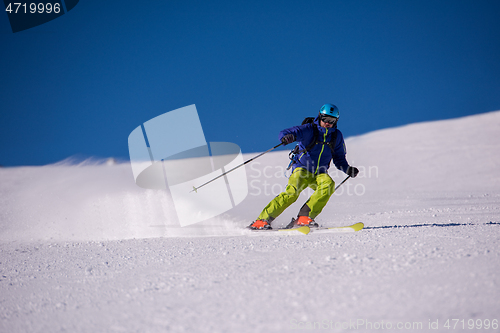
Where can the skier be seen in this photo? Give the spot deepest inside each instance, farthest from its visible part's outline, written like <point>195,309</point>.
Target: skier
<point>319,142</point>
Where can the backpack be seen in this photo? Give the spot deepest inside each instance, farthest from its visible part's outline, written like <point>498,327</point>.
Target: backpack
<point>295,152</point>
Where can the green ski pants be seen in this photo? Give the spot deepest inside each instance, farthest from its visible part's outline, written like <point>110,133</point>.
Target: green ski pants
<point>322,184</point>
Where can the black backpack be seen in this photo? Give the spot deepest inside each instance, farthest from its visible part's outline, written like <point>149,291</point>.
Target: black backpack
<point>294,154</point>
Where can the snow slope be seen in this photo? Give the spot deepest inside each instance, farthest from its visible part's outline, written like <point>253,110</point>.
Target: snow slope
<point>82,248</point>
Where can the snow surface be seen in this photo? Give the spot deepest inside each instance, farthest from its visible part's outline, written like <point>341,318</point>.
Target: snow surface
<point>83,249</point>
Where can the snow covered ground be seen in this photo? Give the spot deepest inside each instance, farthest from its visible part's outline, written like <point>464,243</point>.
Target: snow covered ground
<point>83,249</point>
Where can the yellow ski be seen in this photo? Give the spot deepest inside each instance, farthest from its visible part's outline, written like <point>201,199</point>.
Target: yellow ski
<point>349,228</point>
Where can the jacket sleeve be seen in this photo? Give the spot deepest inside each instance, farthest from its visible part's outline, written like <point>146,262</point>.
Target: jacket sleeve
<point>339,153</point>
<point>301,133</point>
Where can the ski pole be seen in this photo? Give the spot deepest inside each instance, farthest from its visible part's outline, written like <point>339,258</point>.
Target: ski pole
<point>342,182</point>
<point>195,189</point>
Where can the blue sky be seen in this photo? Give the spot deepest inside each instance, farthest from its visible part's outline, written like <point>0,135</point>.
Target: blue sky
<point>78,85</point>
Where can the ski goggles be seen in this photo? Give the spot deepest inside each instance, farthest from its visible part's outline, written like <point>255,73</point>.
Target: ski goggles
<point>329,119</point>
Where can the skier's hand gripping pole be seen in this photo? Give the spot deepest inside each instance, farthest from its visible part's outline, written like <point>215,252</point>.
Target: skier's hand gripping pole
<point>195,189</point>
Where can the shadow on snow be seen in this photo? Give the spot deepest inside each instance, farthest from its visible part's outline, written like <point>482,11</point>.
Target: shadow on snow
<point>429,225</point>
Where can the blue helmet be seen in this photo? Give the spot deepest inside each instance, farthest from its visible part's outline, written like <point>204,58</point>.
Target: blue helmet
<point>329,110</point>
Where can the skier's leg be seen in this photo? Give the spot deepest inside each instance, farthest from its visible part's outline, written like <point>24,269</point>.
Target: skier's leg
<point>298,181</point>
<point>323,187</point>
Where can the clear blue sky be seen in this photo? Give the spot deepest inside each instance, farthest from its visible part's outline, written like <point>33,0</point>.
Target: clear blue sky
<point>78,85</point>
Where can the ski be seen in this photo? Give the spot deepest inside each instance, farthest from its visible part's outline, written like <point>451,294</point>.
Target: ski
<point>348,228</point>
<point>305,230</point>
<point>284,231</point>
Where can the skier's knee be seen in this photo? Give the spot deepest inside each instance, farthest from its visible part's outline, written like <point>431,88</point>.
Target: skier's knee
<point>328,187</point>
<point>291,193</point>
<point>331,187</point>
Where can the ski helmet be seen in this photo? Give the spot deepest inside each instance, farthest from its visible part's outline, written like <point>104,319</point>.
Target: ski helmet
<point>329,110</point>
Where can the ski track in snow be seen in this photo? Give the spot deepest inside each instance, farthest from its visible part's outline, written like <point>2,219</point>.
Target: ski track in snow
<point>83,249</point>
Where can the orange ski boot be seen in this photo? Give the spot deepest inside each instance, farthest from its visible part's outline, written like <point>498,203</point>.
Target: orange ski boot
<point>260,225</point>
<point>305,220</point>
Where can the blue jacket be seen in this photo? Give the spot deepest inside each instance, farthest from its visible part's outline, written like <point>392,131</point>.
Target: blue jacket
<point>317,160</point>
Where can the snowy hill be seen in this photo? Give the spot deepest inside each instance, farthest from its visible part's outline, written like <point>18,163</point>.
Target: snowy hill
<point>82,248</point>
<point>451,155</point>
<point>100,202</point>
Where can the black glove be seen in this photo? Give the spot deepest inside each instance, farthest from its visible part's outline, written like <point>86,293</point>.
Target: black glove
<point>289,138</point>
<point>352,171</point>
